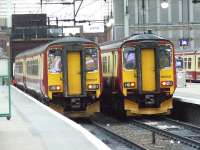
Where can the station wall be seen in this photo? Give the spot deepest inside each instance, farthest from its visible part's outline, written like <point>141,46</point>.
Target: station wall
<point>180,20</point>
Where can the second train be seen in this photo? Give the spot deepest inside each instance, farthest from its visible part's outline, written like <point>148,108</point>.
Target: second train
<point>139,75</point>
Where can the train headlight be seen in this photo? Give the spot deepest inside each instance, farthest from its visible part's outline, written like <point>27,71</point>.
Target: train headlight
<point>167,83</point>
<point>55,88</point>
<point>129,84</point>
<point>93,86</point>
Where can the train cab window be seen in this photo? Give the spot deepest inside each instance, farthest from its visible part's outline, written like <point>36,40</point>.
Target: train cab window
<point>198,62</point>
<point>91,59</point>
<point>189,63</point>
<point>165,57</point>
<point>129,61</point>
<point>54,61</point>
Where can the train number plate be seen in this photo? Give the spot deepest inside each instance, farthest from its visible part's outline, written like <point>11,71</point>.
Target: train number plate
<point>75,102</point>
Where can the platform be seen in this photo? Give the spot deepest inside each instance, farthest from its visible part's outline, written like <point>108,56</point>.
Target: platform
<point>34,126</point>
<point>189,94</point>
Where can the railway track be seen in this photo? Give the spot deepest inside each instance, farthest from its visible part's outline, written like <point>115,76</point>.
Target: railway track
<point>134,135</point>
<point>178,131</point>
<point>118,137</point>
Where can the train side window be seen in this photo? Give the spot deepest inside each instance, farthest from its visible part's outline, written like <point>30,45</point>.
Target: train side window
<point>165,57</point>
<point>179,63</point>
<point>29,68</point>
<point>108,64</point>
<point>54,61</point>
<point>104,64</point>
<point>129,58</point>
<point>198,62</point>
<point>19,67</point>
<point>91,59</point>
<point>189,63</point>
<point>185,62</point>
<point>35,67</point>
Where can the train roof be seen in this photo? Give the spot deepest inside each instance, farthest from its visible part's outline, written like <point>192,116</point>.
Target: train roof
<point>134,37</point>
<point>40,49</point>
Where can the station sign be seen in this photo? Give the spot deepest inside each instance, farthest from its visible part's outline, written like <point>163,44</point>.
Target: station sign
<point>184,42</point>
<point>94,28</point>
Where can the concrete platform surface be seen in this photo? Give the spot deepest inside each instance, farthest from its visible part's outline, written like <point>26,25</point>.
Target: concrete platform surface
<point>34,126</point>
<point>189,94</point>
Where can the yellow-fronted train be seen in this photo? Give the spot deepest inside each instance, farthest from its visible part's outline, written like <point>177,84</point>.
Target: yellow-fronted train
<point>65,71</point>
<point>138,75</point>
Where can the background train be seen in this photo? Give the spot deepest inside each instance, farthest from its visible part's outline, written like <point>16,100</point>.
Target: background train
<point>139,75</point>
<point>191,64</point>
<point>66,72</point>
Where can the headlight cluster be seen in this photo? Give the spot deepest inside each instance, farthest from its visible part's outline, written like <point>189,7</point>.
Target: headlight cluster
<point>55,88</point>
<point>129,84</point>
<point>167,83</point>
<point>93,86</point>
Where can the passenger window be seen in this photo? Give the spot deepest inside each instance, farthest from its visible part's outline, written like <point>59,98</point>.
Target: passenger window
<point>179,63</point>
<point>198,62</point>
<point>104,64</point>
<point>54,61</point>
<point>19,67</point>
<point>108,64</point>
<point>189,63</point>
<point>129,61</point>
<point>91,59</point>
<point>185,63</point>
<point>35,67</point>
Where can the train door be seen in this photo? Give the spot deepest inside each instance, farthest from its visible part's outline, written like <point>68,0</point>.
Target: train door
<point>74,73</point>
<point>148,70</point>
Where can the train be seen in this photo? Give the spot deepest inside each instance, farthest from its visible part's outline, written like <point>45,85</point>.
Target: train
<point>139,75</point>
<point>65,72</point>
<point>191,64</point>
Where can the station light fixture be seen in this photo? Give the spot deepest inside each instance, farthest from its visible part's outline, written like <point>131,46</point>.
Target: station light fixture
<point>110,21</point>
<point>164,4</point>
<point>184,42</point>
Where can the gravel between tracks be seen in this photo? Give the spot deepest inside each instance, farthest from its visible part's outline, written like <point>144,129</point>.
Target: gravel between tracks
<point>139,135</point>
<point>112,143</point>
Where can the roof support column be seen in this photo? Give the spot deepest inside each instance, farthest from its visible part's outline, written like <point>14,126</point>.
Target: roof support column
<point>8,13</point>
<point>126,19</point>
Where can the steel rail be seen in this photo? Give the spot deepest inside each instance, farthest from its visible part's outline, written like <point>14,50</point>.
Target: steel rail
<point>183,140</point>
<point>119,137</point>
<point>186,125</point>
